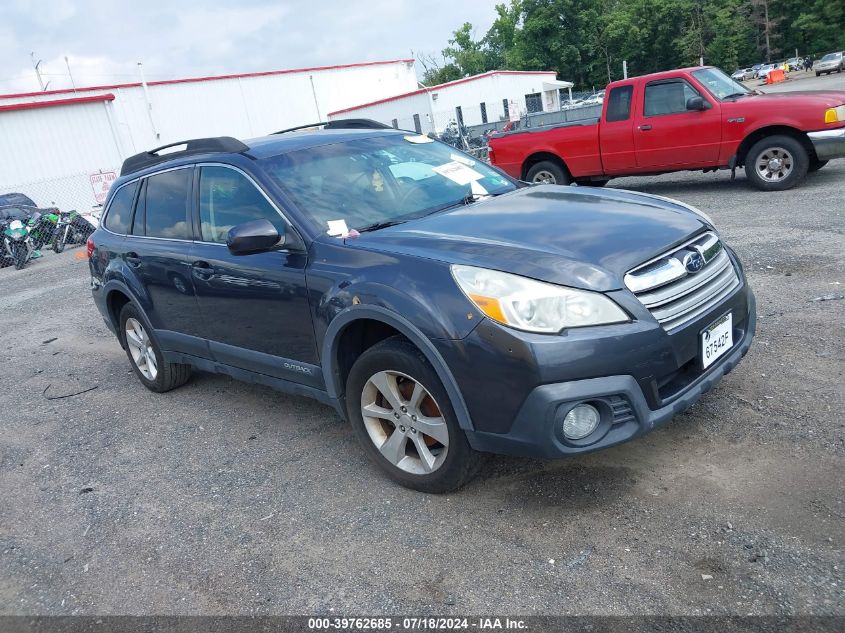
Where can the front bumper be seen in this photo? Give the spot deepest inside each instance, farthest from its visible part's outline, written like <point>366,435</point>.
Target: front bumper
<point>828,143</point>
<point>633,401</point>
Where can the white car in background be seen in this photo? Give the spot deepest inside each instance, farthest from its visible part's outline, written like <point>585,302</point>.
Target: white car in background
<point>832,62</point>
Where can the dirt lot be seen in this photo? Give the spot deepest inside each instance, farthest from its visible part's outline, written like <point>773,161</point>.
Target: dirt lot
<point>222,497</point>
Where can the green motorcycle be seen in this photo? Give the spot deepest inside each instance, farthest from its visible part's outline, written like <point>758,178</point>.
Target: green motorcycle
<point>17,244</point>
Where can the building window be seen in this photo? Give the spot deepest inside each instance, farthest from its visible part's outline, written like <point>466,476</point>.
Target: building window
<point>534,102</point>
<point>395,124</point>
<point>483,112</point>
<point>417,125</point>
<point>507,108</point>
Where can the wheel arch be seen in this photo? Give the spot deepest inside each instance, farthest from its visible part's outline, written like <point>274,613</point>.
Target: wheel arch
<point>538,157</point>
<point>118,295</point>
<point>376,324</point>
<point>772,130</point>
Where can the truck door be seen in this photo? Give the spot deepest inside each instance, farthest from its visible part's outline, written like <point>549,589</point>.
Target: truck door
<point>616,131</point>
<point>669,134</point>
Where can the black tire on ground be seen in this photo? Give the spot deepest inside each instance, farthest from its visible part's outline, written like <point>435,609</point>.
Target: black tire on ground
<point>592,183</point>
<point>551,173</point>
<point>19,255</point>
<point>59,240</point>
<point>800,163</point>
<point>170,375</point>
<point>817,74</point>
<point>400,355</point>
<point>816,164</point>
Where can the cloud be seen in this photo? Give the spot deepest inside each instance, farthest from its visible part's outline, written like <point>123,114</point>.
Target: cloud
<point>104,41</point>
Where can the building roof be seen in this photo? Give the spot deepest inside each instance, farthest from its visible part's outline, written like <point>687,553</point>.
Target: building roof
<point>57,102</point>
<point>446,85</point>
<point>165,82</point>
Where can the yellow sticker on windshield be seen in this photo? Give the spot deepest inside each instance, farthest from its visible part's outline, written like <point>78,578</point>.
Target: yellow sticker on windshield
<point>420,138</point>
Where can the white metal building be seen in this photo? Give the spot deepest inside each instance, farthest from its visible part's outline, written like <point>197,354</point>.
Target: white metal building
<point>485,98</point>
<point>53,143</point>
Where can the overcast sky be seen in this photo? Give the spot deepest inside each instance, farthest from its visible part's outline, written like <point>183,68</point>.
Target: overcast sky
<point>104,40</point>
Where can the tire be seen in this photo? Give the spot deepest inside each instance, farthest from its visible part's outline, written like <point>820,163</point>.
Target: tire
<point>19,255</point>
<point>401,368</point>
<point>59,240</point>
<point>166,376</point>
<point>815,165</point>
<point>549,173</point>
<point>794,161</point>
<point>817,74</point>
<point>592,183</point>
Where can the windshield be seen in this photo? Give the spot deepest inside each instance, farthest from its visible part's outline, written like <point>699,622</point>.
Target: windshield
<point>719,84</point>
<point>364,183</point>
<point>831,57</point>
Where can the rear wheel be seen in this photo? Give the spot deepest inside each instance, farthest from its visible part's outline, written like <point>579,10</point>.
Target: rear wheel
<point>403,417</point>
<point>548,173</point>
<point>144,353</point>
<point>776,163</point>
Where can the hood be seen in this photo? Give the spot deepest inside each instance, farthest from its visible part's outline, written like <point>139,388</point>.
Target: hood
<point>817,98</point>
<point>575,236</point>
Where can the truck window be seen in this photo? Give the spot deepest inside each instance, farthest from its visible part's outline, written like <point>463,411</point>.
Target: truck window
<point>619,103</point>
<point>667,97</point>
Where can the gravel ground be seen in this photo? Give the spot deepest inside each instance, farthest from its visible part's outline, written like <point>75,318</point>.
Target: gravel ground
<point>226,498</point>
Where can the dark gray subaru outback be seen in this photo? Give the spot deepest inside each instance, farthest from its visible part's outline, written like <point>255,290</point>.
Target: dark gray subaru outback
<point>441,307</point>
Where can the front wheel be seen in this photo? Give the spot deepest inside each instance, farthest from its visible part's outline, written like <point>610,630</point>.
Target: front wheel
<point>403,417</point>
<point>776,163</point>
<point>60,239</point>
<point>19,254</point>
<point>547,172</point>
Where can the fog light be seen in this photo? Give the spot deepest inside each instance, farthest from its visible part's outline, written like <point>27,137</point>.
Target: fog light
<point>580,421</point>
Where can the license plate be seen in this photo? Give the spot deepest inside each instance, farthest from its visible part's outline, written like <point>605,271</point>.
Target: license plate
<point>716,340</point>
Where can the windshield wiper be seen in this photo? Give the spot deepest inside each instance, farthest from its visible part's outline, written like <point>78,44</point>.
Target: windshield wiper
<point>736,94</point>
<point>375,226</point>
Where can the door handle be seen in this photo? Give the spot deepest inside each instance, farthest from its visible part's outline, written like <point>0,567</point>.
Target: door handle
<point>202,269</point>
<point>645,128</point>
<point>133,260</point>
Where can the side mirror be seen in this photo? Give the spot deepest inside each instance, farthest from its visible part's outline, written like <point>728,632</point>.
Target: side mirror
<point>697,103</point>
<point>253,237</point>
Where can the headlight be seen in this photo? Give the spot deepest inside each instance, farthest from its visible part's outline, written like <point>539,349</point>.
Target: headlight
<point>834,115</point>
<point>534,306</point>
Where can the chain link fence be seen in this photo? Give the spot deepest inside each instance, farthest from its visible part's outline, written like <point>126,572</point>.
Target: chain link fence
<point>41,216</point>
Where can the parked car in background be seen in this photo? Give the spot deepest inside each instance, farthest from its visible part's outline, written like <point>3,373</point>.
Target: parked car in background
<point>832,62</point>
<point>764,70</point>
<point>687,119</point>
<point>795,63</point>
<point>744,74</point>
<point>440,306</point>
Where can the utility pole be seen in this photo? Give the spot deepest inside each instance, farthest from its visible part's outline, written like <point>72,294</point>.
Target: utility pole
<point>70,74</point>
<point>147,100</point>
<point>37,66</point>
<point>624,69</point>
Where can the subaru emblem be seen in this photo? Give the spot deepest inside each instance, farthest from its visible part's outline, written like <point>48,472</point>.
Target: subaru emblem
<point>693,262</point>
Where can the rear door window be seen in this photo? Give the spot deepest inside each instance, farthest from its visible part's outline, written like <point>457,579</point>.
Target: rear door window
<point>120,209</point>
<point>619,103</point>
<point>166,204</point>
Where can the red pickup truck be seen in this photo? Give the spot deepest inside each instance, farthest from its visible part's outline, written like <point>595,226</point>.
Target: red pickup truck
<point>687,119</point>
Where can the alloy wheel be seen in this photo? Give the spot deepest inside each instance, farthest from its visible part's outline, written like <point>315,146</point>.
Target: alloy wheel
<point>404,422</point>
<point>545,177</point>
<point>774,164</point>
<point>141,348</point>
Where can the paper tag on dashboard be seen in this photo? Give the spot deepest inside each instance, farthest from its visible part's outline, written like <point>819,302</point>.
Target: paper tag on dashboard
<point>458,172</point>
<point>337,228</point>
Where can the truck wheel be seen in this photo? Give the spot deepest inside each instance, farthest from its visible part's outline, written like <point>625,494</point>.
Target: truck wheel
<point>548,173</point>
<point>144,353</point>
<point>816,164</point>
<point>402,415</point>
<point>776,163</point>
<point>817,74</point>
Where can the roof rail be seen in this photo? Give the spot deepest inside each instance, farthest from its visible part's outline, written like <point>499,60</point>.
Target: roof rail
<point>341,124</point>
<point>193,146</point>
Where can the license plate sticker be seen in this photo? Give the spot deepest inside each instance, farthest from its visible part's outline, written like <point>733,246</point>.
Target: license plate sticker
<point>716,340</point>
